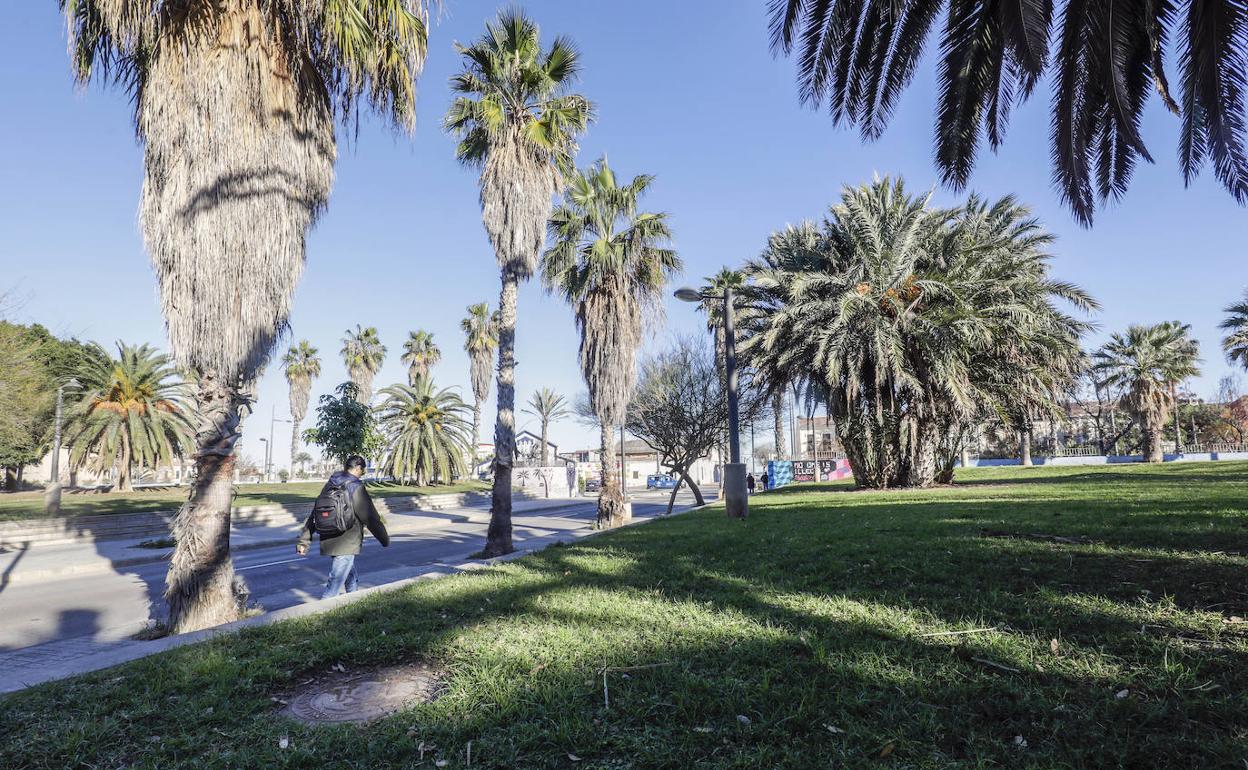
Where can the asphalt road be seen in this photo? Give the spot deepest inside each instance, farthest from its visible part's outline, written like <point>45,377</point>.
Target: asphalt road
<point>115,605</point>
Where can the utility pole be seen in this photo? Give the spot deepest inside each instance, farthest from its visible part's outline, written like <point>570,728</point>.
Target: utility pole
<point>52,500</point>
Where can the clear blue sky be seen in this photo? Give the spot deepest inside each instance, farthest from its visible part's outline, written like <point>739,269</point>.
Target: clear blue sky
<point>686,93</point>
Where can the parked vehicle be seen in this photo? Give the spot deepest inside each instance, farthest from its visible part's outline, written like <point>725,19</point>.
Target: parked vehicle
<point>593,484</point>
<point>661,481</point>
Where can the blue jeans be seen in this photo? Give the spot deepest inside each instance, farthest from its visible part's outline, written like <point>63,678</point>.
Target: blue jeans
<point>341,572</point>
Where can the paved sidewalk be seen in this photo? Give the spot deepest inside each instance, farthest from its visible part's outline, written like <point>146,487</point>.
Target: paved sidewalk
<point>47,562</point>
<point>68,657</point>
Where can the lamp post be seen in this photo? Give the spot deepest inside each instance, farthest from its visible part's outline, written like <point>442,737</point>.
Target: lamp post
<point>268,454</point>
<point>736,499</point>
<point>264,471</point>
<point>52,500</point>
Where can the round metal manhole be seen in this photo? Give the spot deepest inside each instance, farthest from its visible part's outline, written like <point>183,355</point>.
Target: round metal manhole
<point>345,696</point>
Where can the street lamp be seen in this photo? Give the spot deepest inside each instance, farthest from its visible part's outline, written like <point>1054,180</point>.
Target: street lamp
<point>267,446</point>
<point>52,500</point>
<point>736,498</point>
<point>268,454</point>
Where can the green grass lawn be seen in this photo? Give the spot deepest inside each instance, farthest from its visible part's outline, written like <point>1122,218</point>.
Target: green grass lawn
<point>24,505</point>
<point>813,634</point>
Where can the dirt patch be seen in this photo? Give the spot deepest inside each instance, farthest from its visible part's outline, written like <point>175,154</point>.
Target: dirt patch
<point>341,695</point>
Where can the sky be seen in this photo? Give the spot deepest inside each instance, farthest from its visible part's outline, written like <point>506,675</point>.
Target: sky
<point>690,95</point>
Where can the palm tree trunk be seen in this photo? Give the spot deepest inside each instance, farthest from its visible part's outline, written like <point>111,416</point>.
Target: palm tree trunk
<point>294,440</point>
<point>200,586</point>
<point>777,409</point>
<point>545,449</point>
<point>498,537</point>
<point>1153,452</point>
<point>612,511</point>
<point>1024,445</point>
<point>476,432</point>
<point>123,466</point>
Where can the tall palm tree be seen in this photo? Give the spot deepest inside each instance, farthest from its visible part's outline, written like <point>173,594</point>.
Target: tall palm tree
<point>426,432</point>
<point>480,329</point>
<point>518,123</point>
<point>133,411</point>
<point>301,364</point>
<point>420,353</point>
<point>235,104</point>
<point>1235,343</point>
<point>610,261</point>
<point>547,406</point>
<point>1148,362</point>
<point>859,56</point>
<point>363,354</point>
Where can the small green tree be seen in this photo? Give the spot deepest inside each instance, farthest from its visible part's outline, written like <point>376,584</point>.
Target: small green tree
<point>344,426</point>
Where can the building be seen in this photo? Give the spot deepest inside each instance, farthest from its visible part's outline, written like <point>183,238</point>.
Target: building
<point>640,460</point>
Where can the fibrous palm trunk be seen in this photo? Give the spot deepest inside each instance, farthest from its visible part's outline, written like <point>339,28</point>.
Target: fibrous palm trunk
<point>498,537</point>
<point>777,409</point>
<point>123,466</point>
<point>476,432</point>
<point>239,155</point>
<point>545,445</point>
<point>1153,453</point>
<point>1024,445</point>
<point>200,586</point>
<point>612,509</point>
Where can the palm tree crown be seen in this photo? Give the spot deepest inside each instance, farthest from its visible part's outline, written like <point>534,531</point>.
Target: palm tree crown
<point>547,406</point>
<point>302,365</point>
<point>858,57</point>
<point>363,354</point>
<point>133,411</point>
<point>517,121</point>
<point>426,431</point>
<point>1235,343</point>
<point>420,353</point>
<point>480,329</point>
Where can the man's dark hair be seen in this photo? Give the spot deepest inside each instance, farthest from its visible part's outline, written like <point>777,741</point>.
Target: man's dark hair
<point>355,461</point>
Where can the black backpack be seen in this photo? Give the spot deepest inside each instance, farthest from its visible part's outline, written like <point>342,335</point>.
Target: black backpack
<point>332,513</point>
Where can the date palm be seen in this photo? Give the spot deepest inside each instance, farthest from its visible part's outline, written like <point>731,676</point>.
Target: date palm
<point>301,365</point>
<point>1110,58</point>
<point>1235,343</point>
<point>426,431</point>
<point>235,103</point>
<point>363,354</point>
<point>1148,362</point>
<point>517,122</point>
<point>609,261</point>
<point>420,353</point>
<point>547,406</point>
<point>133,411</point>
<point>480,329</point>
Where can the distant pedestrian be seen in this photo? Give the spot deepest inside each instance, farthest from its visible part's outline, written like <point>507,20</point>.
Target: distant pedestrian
<point>764,480</point>
<point>749,483</point>
<point>339,517</point>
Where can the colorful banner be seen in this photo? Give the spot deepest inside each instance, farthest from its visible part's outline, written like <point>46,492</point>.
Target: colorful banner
<point>782,472</point>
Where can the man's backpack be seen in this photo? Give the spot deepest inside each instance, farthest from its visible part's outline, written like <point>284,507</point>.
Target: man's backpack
<point>332,513</point>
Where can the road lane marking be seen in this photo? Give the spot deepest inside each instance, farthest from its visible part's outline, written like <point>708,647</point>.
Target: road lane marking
<point>268,564</point>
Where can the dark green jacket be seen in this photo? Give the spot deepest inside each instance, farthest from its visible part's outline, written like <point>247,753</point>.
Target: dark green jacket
<point>350,542</point>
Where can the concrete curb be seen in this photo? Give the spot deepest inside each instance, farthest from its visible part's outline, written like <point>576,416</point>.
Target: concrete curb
<point>126,651</point>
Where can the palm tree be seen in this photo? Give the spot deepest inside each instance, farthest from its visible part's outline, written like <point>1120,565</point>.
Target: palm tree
<point>517,122</point>
<point>1235,343</point>
<point>426,432</point>
<point>133,411</point>
<point>1148,362</point>
<point>235,104</point>
<point>420,353</point>
<point>302,459</point>
<point>480,329</point>
<point>858,57</point>
<point>548,406</point>
<point>363,354</point>
<point>610,262</point>
<point>301,365</point>
<point>914,322</point>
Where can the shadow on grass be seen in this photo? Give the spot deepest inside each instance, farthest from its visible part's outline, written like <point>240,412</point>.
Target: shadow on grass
<point>804,621</point>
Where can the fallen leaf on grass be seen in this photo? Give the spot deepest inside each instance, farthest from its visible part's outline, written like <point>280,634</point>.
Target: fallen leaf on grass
<point>283,742</point>
<point>888,749</point>
<point>834,730</point>
<point>743,719</point>
<point>441,763</point>
<point>704,729</point>
<point>574,758</point>
<point>1122,694</point>
<point>1020,741</point>
<point>1053,646</point>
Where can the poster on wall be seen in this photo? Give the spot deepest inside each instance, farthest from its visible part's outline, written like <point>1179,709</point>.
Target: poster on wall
<point>782,472</point>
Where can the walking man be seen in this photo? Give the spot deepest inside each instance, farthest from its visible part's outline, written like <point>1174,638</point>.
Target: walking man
<point>339,516</point>
<point>749,484</point>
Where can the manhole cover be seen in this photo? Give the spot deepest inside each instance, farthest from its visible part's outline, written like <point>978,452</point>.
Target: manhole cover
<point>363,696</point>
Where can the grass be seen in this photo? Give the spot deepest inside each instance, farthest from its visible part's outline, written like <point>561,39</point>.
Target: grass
<point>813,634</point>
<point>28,505</point>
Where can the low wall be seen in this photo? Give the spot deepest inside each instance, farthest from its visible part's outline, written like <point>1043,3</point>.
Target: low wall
<point>549,481</point>
<point>1106,459</point>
